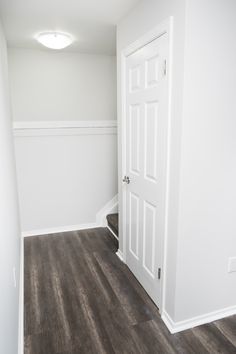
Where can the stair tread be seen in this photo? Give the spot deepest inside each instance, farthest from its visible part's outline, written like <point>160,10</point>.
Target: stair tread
<point>113,222</point>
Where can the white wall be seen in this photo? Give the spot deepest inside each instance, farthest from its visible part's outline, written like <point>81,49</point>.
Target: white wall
<point>207,225</point>
<point>47,85</point>
<point>64,178</point>
<point>9,223</point>
<point>202,191</point>
<point>146,16</point>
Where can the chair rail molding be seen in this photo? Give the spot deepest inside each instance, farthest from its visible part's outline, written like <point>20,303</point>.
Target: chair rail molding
<point>64,128</point>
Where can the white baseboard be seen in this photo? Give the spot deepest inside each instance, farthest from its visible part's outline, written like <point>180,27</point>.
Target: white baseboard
<point>112,232</point>
<point>58,230</point>
<point>120,255</point>
<point>175,327</point>
<point>111,206</point>
<point>21,301</point>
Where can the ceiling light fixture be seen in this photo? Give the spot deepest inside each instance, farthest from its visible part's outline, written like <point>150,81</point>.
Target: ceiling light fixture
<point>55,40</point>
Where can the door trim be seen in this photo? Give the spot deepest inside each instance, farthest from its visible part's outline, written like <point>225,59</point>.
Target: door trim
<point>166,27</point>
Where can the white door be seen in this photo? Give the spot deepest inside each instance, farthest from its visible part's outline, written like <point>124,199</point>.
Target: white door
<point>146,145</point>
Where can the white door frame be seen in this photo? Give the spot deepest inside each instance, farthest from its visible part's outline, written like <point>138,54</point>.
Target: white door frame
<point>164,28</point>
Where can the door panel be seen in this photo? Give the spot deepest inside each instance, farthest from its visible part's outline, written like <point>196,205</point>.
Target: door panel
<point>146,139</point>
<point>134,225</point>
<point>150,144</point>
<point>149,223</point>
<point>134,75</point>
<point>134,138</point>
<point>152,71</point>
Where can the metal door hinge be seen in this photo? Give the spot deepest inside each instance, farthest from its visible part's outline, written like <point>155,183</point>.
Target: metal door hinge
<point>159,273</point>
<point>165,68</point>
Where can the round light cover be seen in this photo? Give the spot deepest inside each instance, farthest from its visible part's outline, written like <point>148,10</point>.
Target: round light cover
<point>55,40</point>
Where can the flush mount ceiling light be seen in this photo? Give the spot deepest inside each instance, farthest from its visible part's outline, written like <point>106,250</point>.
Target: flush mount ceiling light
<point>55,40</point>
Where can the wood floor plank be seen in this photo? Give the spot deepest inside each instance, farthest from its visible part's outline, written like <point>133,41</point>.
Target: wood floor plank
<point>38,344</point>
<point>133,304</point>
<point>50,293</point>
<point>184,342</point>
<point>106,308</point>
<point>89,301</point>
<point>213,340</point>
<point>81,299</point>
<point>227,326</point>
<point>151,339</point>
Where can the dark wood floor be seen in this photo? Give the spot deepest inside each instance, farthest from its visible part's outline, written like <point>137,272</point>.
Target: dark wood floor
<point>81,299</point>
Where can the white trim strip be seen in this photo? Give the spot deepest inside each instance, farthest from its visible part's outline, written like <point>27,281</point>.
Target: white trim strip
<point>112,232</point>
<point>21,300</point>
<point>120,255</point>
<point>100,222</point>
<point>158,31</point>
<point>59,230</point>
<point>175,327</point>
<point>65,124</point>
<point>64,128</point>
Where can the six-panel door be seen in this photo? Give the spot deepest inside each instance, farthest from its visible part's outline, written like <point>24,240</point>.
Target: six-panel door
<point>146,130</point>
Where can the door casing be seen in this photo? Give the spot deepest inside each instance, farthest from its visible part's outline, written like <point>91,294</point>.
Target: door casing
<point>166,27</point>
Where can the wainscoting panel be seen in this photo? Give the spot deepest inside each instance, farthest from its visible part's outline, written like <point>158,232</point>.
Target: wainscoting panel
<point>67,172</point>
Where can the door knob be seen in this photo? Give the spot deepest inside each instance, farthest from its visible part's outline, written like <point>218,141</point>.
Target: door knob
<point>126,179</point>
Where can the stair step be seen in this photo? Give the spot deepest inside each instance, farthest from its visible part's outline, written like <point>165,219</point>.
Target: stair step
<point>113,222</point>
